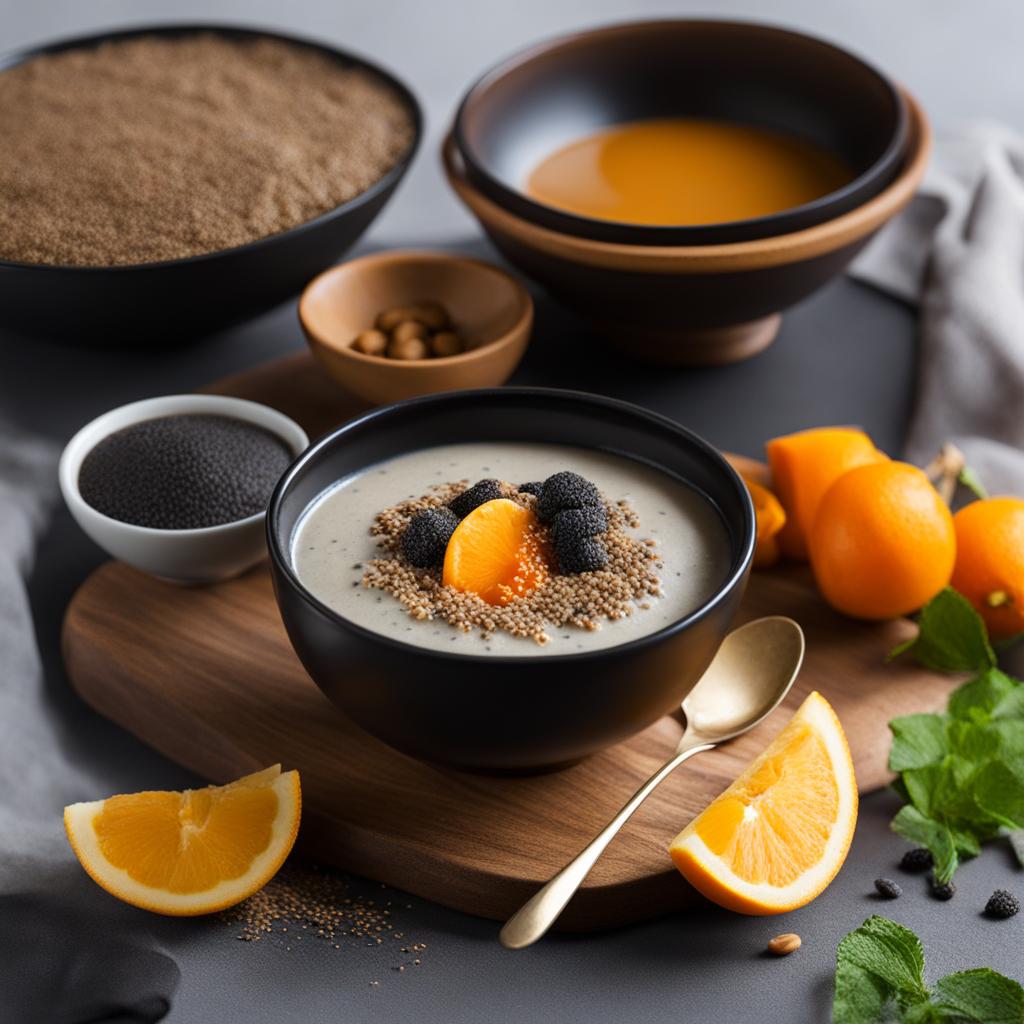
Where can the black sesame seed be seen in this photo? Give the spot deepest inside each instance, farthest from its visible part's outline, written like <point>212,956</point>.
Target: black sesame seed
<point>888,889</point>
<point>183,472</point>
<point>917,860</point>
<point>427,535</point>
<point>944,891</point>
<point>471,498</point>
<point>1002,904</point>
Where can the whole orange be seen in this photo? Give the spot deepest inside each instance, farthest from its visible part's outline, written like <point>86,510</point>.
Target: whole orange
<point>882,543</point>
<point>989,568</point>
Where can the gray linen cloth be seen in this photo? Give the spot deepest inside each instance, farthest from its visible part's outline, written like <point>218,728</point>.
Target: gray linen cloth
<point>67,955</point>
<point>958,252</point>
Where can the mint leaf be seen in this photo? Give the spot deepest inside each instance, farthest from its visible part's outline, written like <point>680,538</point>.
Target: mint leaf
<point>999,791</point>
<point>861,997</point>
<point>951,636</point>
<point>889,952</point>
<point>921,830</point>
<point>977,699</point>
<point>917,741</point>
<point>981,995</point>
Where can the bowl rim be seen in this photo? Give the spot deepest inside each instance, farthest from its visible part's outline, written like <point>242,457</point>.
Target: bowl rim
<point>88,436</point>
<point>675,234</point>
<point>523,322</point>
<point>756,254</point>
<point>742,555</point>
<point>23,55</point>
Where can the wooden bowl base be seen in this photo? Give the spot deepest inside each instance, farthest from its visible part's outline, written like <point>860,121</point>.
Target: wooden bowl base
<point>708,346</point>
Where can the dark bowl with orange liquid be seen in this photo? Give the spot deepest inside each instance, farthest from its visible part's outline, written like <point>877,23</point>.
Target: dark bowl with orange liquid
<point>771,81</point>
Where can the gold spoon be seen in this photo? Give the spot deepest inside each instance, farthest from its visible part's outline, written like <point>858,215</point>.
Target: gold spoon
<point>747,679</point>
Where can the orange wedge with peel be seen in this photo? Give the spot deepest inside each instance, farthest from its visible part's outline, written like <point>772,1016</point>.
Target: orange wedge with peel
<point>191,852</point>
<point>804,465</point>
<point>497,552</point>
<point>779,834</point>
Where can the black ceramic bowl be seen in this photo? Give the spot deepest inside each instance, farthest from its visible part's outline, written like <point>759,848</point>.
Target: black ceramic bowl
<point>183,300</point>
<point>505,714</point>
<point>570,87</point>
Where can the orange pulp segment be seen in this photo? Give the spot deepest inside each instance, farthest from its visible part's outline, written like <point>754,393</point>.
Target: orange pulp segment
<point>497,552</point>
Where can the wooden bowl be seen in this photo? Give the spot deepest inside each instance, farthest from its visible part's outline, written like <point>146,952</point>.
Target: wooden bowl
<point>692,305</point>
<point>565,89</point>
<point>490,309</point>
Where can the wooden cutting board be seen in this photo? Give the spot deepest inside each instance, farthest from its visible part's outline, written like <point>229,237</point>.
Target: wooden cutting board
<point>207,677</point>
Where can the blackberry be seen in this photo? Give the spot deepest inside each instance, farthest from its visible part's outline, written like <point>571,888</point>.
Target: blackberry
<point>917,860</point>
<point>888,889</point>
<point>585,555</point>
<point>427,535</point>
<point>574,524</point>
<point>1002,904</point>
<point>565,490</point>
<point>943,891</point>
<point>534,487</point>
<point>473,497</point>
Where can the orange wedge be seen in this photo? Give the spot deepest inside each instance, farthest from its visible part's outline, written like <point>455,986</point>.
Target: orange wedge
<point>780,833</point>
<point>804,465</point>
<point>497,551</point>
<point>191,852</point>
<point>771,518</point>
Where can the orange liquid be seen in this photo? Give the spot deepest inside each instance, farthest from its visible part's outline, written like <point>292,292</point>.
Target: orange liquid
<point>683,171</point>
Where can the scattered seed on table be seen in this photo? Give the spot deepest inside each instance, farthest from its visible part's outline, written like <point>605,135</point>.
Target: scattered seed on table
<point>1002,904</point>
<point>917,860</point>
<point>888,889</point>
<point>783,945</point>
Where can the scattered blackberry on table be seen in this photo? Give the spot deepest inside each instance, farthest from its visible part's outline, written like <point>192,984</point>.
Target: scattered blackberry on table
<point>473,497</point>
<point>1002,904</point>
<point>888,889</point>
<point>943,892</point>
<point>565,490</point>
<point>534,487</point>
<point>427,535</point>
<point>917,860</point>
<point>585,555</point>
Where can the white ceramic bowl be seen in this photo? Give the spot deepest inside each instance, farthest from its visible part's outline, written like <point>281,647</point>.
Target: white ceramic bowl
<point>182,556</point>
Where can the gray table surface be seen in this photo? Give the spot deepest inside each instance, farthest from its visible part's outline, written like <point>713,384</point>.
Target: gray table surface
<point>846,355</point>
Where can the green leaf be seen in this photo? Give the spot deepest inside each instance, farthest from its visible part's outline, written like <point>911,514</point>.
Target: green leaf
<point>917,741</point>
<point>999,791</point>
<point>951,636</point>
<point>977,699</point>
<point>889,952</point>
<point>969,479</point>
<point>920,830</point>
<point>981,995</point>
<point>861,997</point>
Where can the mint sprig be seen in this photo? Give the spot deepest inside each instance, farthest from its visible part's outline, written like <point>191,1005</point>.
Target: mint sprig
<point>961,773</point>
<point>880,977</point>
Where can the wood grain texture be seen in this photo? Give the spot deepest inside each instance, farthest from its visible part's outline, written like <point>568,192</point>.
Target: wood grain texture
<point>207,677</point>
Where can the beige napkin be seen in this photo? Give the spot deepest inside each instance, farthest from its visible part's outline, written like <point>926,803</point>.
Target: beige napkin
<point>958,252</point>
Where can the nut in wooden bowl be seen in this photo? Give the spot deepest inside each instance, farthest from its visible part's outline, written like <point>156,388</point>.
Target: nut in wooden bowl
<point>399,324</point>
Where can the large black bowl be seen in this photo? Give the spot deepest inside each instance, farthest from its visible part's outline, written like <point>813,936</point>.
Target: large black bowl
<point>564,89</point>
<point>506,714</point>
<point>178,301</point>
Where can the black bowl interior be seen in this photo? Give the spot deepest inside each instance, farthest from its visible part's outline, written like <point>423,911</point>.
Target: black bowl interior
<point>511,414</point>
<point>560,91</point>
<point>183,300</point>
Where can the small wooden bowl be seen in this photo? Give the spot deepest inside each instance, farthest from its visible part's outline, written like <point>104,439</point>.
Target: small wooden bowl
<point>490,309</point>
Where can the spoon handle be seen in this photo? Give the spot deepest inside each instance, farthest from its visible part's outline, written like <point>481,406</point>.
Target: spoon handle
<point>541,911</point>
